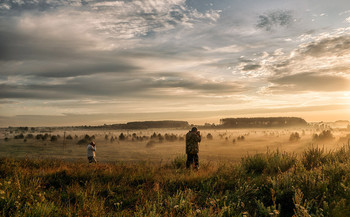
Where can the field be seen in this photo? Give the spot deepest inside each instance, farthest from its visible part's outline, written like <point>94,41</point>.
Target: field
<point>251,172</point>
<point>225,145</point>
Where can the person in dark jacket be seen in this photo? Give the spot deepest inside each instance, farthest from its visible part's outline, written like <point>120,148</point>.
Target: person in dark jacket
<point>193,137</point>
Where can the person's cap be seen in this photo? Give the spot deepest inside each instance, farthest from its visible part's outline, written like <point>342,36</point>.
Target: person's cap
<point>194,129</point>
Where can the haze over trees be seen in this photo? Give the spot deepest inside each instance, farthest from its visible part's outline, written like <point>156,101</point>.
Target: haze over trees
<point>262,122</point>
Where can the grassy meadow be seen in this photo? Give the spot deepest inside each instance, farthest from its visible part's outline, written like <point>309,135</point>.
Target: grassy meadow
<point>223,145</point>
<point>242,173</point>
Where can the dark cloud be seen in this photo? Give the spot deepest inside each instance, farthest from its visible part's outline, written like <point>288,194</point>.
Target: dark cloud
<point>74,69</point>
<point>108,86</point>
<point>17,43</point>
<point>310,82</point>
<point>335,46</point>
<point>274,19</point>
<point>251,67</point>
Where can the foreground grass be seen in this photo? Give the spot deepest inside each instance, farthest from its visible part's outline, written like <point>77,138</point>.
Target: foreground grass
<point>316,183</point>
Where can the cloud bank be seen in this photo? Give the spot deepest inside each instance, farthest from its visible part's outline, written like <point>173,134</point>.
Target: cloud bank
<point>89,57</point>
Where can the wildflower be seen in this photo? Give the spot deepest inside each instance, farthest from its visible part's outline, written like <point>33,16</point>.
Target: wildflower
<point>198,211</point>
<point>176,206</point>
<point>2,192</point>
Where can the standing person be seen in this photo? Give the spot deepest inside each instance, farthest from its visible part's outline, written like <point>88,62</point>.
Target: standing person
<point>91,148</point>
<point>193,137</point>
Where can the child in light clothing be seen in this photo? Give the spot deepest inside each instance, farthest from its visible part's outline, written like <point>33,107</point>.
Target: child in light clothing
<point>91,148</point>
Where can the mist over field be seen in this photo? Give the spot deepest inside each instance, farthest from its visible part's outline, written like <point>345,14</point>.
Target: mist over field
<point>256,171</point>
<point>140,141</point>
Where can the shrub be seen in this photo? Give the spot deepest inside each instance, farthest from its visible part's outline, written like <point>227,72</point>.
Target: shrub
<point>170,137</point>
<point>122,137</point>
<point>20,136</point>
<point>83,141</point>
<point>45,136</point>
<point>209,136</point>
<point>280,162</point>
<point>255,164</point>
<point>294,137</point>
<point>150,144</point>
<point>179,162</point>
<point>30,136</point>
<point>112,139</point>
<point>54,138</point>
<point>314,157</point>
<point>240,138</point>
<point>324,135</point>
<point>160,137</point>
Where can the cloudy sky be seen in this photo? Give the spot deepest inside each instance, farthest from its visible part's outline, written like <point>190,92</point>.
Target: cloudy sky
<point>72,62</point>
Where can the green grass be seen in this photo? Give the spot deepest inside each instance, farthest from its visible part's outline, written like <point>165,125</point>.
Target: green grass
<point>316,183</point>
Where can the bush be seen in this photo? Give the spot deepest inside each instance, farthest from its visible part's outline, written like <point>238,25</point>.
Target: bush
<point>280,162</point>
<point>150,144</point>
<point>314,157</point>
<point>30,136</point>
<point>324,135</point>
<point>83,141</point>
<point>45,136</point>
<point>240,138</point>
<point>112,139</point>
<point>255,164</point>
<point>170,137</point>
<point>209,136</point>
<point>179,162</point>
<point>294,137</point>
<point>20,136</point>
<point>54,138</point>
<point>122,137</point>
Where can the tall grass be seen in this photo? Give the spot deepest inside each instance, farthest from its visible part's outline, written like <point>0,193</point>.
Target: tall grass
<point>317,183</point>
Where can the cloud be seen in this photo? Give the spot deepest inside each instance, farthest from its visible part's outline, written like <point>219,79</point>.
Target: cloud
<point>69,68</point>
<point>274,19</point>
<point>331,46</point>
<point>310,81</point>
<point>117,86</point>
<point>250,67</point>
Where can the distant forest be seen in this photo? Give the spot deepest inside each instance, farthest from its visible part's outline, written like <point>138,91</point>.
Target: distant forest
<point>267,122</point>
<point>151,124</point>
<point>262,122</point>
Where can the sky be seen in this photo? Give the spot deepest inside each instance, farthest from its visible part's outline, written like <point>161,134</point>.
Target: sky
<point>87,62</point>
